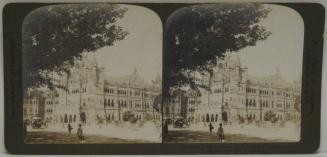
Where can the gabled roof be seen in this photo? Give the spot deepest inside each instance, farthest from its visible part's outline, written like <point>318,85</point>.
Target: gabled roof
<point>132,80</point>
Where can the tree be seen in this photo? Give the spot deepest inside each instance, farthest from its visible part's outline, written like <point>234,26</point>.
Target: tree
<point>54,36</point>
<point>157,103</point>
<point>197,36</point>
<point>297,103</point>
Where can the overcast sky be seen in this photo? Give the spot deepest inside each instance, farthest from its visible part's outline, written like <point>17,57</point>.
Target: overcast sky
<point>283,49</point>
<point>142,48</point>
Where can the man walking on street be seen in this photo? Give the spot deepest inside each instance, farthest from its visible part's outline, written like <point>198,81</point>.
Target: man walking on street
<point>80,134</point>
<point>165,130</point>
<point>220,133</point>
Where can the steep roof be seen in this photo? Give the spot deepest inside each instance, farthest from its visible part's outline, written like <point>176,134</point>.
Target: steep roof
<point>275,80</point>
<point>132,80</point>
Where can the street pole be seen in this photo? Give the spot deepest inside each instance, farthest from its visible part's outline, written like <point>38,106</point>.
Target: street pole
<point>118,103</point>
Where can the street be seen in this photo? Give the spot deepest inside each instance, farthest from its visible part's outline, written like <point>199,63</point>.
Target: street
<point>186,136</point>
<point>46,137</point>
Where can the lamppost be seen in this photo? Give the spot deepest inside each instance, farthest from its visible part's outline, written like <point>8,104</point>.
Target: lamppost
<point>118,103</point>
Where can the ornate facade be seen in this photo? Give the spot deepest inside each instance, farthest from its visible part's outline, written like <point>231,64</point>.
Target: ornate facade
<point>89,96</point>
<point>236,96</point>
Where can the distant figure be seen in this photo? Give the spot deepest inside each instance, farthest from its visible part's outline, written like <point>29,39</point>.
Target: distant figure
<point>165,130</point>
<point>220,133</point>
<point>70,128</point>
<point>24,129</point>
<point>210,128</point>
<point>80,134</point>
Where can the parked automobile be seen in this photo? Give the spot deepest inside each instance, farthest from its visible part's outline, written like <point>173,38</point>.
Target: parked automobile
<point>37,123</point>
<point>179,123</point>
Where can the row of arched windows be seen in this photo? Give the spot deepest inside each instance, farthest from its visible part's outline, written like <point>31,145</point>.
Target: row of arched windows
<point>83,90</point>
<point>191,110</point>
<point>210,118</point>
<point>250,90</point>
<point>264,92</point>
<point>264,103</point>
<point>250,102</point>
<point>108,103</point>
<point>68,118</point>
<point>108,90</point>
<point>219,90</point>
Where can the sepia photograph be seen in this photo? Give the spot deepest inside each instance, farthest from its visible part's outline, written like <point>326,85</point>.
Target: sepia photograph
<point>92,74</point>
<point>137,78</point>
<point>232,74</point>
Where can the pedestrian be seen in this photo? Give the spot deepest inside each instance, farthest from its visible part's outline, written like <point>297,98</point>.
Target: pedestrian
<point>70,128</point>
<point>210,128</point>
<point>220,133</point>
<point>80,134</point>
<point>165,130</point>
<point>25,129</point>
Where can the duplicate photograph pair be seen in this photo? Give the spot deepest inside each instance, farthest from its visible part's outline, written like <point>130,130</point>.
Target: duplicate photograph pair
<point>162,78</point>
<point>115,73</point>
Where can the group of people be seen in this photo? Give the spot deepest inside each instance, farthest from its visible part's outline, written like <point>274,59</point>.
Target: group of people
<point>79,132</point>
<point>220,132</point>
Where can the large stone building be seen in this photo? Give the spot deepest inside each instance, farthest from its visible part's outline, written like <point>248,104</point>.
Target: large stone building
<point>181,104</point>
<point>88,96</point>
<point>33,107</point>
<point>236,96</point>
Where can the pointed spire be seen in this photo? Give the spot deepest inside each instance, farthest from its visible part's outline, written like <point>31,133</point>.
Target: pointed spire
<point>277,73</point>
<point>135,72</point>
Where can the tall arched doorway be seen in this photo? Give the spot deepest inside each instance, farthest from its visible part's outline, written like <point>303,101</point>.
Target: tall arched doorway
<point>83,117</point>
<point>224,116</point>
<point>66,119</point>
<point>207,118</point>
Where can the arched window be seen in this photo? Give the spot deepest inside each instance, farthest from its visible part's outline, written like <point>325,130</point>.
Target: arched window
<point>66,119</point>
<point>70,118</point>
<point>207,118</point>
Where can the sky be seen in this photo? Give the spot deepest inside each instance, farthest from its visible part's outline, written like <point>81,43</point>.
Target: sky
<point>141,48</point>
<point>282,49</point>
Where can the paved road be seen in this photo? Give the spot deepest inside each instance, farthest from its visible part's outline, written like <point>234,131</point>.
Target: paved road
<point>45,137</point>
<point>186,136</point>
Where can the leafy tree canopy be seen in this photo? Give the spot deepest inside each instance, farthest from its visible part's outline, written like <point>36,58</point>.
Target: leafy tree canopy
<point>196,36</point>
<point>54,36</point>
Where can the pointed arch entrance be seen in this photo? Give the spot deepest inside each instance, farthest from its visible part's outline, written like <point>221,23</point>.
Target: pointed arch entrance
<point>225,116</point>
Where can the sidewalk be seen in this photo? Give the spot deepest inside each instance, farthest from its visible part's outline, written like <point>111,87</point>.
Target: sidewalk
<point>290,132</point>
<point>149,132</point>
